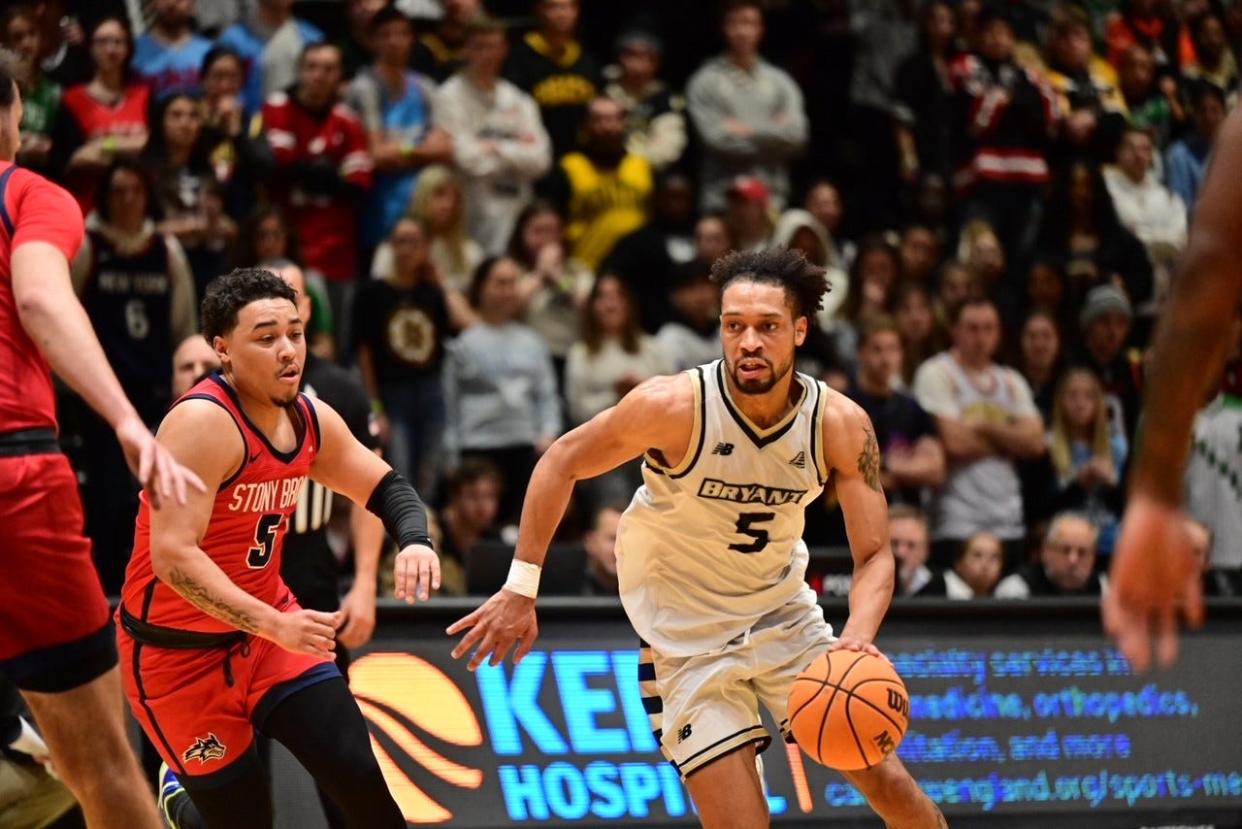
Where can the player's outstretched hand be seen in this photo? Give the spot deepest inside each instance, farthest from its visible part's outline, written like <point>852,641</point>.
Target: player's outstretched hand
<point>1154,579</point>
<point>307,631</point>
<point>153,465</point>
<point>851,643</point>
<point>416,573</point>
<point>504,620</point>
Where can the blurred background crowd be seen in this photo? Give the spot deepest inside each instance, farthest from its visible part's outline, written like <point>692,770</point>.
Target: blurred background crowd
<point>504,214</point>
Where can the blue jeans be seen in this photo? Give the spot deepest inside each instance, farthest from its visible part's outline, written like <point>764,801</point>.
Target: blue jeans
<point>416,415</point>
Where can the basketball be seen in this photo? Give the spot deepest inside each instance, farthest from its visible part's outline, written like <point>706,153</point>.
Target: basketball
<point>848,710</point>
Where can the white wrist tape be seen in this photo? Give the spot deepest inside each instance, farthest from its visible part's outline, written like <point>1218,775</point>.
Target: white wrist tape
<point>523,578</point>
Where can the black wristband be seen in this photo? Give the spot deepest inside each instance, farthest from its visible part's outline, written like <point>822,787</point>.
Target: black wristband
<point>402,511</point>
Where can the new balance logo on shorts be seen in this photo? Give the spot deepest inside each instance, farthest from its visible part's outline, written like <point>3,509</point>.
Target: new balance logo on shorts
<point>684,733</point>
<point>204,749</point>
<point>723,449</point>
<point>798,460</point>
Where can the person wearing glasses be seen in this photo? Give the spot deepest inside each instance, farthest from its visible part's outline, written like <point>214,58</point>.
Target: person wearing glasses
<point>1066,564</point>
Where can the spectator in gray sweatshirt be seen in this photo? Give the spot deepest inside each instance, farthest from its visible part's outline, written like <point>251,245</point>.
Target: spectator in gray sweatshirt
<point>748,113</point>
<point>500,387</point>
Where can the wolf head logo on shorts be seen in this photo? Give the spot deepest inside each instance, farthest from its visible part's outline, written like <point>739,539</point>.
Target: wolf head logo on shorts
<point>204,749</point>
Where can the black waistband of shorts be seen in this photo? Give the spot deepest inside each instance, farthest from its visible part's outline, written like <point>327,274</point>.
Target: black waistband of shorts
<point>164,637</point>
<point>39,441</point>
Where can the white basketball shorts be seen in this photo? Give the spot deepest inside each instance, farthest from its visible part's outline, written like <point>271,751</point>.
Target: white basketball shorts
<point>704,706</point>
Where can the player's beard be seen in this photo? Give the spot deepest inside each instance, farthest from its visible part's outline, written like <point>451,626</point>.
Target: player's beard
<point>286,402</point>
<point>762,386</point>
<point>286,398</point>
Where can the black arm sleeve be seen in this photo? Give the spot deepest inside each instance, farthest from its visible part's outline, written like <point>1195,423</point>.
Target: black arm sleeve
<point>402,511</point>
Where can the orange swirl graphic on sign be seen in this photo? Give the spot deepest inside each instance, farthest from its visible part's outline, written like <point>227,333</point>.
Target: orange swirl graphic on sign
<point>412,702</point>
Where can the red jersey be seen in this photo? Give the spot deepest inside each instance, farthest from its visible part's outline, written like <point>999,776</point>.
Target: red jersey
<point>248,520</point>
<point>93,119</point>
<point>32,209</point>
<point>326,225</point>
<point>96,119</point>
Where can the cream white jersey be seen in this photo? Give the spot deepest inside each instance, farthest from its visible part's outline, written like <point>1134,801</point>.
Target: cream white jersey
<point>711,545</point>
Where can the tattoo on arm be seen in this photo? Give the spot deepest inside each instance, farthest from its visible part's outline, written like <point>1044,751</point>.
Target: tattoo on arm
<point>869,461</point>
<point>202,598</point>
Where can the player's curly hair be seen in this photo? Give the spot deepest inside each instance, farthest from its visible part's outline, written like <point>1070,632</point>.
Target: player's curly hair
<point>805,283</point>
<point>228,294</point>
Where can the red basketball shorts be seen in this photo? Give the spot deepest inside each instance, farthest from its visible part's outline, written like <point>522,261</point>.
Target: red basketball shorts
<point>54,628</point>
<point>200,707</point>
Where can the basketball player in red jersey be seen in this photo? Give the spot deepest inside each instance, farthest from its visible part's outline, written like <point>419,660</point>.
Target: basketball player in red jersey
<point>215,645</point>
<point>56,640</point>
<point>1155,576</point>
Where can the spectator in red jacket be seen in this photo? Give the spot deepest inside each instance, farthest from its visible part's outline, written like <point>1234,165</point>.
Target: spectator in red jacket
<point>321,168</point>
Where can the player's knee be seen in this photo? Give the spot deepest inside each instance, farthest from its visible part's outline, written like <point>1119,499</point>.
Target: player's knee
<point>93,781</point>
<point>91,756</point>
<point>359,770</point>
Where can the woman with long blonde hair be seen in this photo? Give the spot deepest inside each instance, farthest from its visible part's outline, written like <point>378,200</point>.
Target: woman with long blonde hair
<point>1087,462</point>
<point>439,203</point>
<point>438,206</point>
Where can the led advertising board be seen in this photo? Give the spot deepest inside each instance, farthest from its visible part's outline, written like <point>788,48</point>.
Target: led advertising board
<point>1010,717</point>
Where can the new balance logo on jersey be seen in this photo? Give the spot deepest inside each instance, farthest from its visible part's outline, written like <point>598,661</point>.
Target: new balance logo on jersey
<point>798,460</point>
<point>723,449</point>
<point>684,733</point>
<point>749,493</point>
<point>204,749</point>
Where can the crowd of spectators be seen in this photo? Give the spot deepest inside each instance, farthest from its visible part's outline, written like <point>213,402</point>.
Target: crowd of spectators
<point>507,210</point>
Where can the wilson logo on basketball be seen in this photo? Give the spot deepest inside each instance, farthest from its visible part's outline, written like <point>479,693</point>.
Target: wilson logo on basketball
<point>898,703</point>
<point>417,714</point>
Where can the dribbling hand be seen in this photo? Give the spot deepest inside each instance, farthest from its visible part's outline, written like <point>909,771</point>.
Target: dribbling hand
<point>159,474</point>
<point>307,631</point>
<point>416,573</point>
<point>1154,579</point>
<point>851,643</point>
<point>504,620</point>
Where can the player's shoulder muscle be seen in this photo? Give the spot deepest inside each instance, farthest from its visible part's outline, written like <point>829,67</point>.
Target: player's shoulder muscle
<point>183,432</point>
<point>659,413</point>
<point>41,211</point>
<point>846,430</point>
<point>331,425</point>
<point>660,402</point>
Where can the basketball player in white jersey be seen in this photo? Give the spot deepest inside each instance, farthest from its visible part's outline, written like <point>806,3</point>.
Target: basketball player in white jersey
<point>710,557</point>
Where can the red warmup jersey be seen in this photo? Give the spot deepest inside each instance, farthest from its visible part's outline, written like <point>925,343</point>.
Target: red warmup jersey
<point>128,116</point>
<point>96,119</point>
<point>325,225</point>
<point>32,209</point>
<point>248,520</point>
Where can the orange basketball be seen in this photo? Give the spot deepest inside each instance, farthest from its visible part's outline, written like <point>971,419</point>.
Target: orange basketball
<point>849,710</point>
